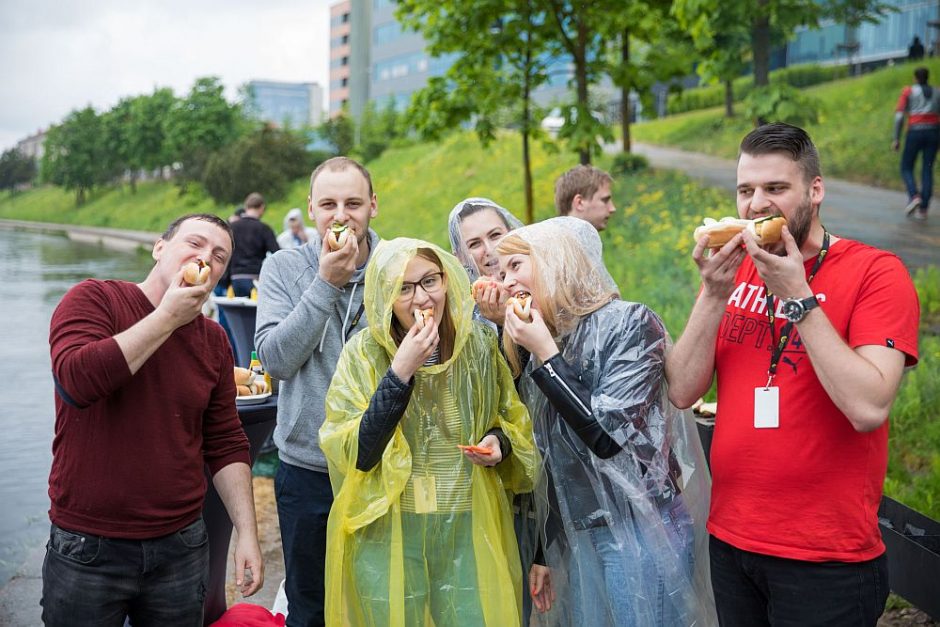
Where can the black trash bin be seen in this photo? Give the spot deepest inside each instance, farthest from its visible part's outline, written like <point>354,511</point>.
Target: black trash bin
<point>912,541</point>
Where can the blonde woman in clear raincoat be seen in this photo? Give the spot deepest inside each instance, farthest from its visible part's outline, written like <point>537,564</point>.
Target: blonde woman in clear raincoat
<point>420,532</point>
<point>622,495</point>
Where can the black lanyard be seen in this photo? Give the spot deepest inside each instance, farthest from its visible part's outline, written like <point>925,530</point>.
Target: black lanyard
<point>781,344</point>
<point>355,321</point>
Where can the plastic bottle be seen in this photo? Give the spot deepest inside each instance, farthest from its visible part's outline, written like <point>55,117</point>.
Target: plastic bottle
<point>256,367</point>
<point>254,293</point>
<point>230,292</point>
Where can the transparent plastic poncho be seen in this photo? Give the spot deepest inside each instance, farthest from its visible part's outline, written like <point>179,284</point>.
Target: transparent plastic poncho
<point>458,246</point>
<point>396,555</point>
<point>624,537</point>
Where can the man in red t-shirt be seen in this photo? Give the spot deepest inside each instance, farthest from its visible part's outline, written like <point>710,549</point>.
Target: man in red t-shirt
<point>809,338</point>
<point>145,399</point>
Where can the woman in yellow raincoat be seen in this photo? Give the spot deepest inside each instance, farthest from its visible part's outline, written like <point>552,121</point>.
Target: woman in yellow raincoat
<point>421,532</point>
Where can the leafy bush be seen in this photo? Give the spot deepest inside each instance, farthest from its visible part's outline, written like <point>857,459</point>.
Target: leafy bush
<point>628,162</point>
<point>781,103</point>
<point>266,161</point>
<point>714,95</point>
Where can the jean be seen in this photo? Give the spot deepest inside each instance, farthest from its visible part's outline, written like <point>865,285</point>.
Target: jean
<point>304,498</point>
<point>640,583</point>
<point>243,287</point>
<point>97,581</point>
<point>924,141</point>
<point>754,590</point>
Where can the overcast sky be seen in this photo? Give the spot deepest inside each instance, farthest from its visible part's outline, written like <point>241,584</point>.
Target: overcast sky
<point>65,54</point>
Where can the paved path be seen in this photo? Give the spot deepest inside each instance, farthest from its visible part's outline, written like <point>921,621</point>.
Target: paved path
<point>869,214</point>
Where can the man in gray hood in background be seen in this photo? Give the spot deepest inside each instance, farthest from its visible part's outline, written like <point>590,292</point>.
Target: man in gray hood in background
<point>309,304</point>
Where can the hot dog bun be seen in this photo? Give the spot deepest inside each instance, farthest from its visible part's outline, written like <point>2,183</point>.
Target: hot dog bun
<point>521,305</point>
<point>244,376</point>
<point>422,316</point>
<point>766,230</point>
<point>196,272</point>
<point>243,390</point>
<point>337,235</point>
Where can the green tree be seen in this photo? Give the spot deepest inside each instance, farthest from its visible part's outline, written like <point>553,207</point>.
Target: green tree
<point>339,131</point>
<point>16,169</point>
<point>200,124</point>
<point>722,41</point>
<point>379,129</point>
<point>76,155</point>
<point>501,49</point>
<point>651,48</point>
<point>267,160</point>
<point>149,147</point>
<point>579,32</point>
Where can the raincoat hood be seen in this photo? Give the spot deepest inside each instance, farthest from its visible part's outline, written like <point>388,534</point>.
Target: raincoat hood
<point>457,244</point>
<point>384,276</point>
<point>572,279</point>
<point>293,214</point>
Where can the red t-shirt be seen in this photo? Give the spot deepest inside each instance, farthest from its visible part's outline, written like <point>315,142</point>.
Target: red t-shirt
<point>129,450</point>
<point>810,489</point>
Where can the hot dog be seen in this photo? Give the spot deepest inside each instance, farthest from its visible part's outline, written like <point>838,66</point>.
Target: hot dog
<point>247,383</point>
<point>337,235</point>
<point>521,305</point>
<point>422,316</point>
<point>765,230</point>
<point>196,272</point>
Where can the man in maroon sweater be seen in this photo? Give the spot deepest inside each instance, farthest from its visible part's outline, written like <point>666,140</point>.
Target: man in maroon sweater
<point>144,399</point>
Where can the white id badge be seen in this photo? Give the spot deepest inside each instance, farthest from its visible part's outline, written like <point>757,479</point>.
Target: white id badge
<point>766,408</point>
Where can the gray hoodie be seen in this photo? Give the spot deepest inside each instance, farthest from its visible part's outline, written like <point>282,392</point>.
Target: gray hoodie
<point>302,324</point>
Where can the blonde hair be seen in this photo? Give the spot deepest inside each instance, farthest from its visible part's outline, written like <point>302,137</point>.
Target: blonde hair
<point>447,330</point>
<point>566,285</point>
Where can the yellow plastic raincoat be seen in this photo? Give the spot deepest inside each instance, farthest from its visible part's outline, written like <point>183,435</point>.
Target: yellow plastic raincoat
<point>425,537</point>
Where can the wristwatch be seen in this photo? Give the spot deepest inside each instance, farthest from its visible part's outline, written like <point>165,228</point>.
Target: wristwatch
<point>795,309</point>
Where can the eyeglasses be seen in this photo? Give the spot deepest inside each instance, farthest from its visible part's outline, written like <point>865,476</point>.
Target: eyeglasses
<point>431,284</point>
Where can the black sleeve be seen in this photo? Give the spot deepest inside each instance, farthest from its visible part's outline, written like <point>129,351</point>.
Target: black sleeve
<point>505,446</point>
<point>270,241</point>
<point>572,400</point>
<point>386,408</point>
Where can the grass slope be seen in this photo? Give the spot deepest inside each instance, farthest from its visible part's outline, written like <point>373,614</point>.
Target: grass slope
<point>853,133</point>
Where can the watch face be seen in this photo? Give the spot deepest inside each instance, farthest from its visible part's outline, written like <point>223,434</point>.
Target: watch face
<point>793,310</point>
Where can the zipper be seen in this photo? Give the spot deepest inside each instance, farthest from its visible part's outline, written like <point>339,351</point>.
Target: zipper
<point>554,375</point>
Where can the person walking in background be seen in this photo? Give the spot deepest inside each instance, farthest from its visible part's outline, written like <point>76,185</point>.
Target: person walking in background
<point>254,240</point>
<point>145,400</point>
<point>808,340</point>
<point>421,528</point>
<point>310,303</point>
<point>623,489</point>
<point>920,102</point>
<point>295,232</point>
<point>915,52</point>
<point>584,192</point>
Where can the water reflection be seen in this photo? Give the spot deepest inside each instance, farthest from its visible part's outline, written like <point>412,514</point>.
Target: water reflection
<point>38,269</point>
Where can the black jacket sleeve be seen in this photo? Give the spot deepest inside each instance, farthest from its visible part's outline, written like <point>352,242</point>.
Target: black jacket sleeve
<point>386,408</point>
<point>572,400</point>
<point>505,445</point>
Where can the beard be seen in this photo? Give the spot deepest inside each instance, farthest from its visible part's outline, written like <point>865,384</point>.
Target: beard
<point>802,221</point>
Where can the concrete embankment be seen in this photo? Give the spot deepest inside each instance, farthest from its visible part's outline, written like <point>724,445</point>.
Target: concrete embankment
<point>114,239</point>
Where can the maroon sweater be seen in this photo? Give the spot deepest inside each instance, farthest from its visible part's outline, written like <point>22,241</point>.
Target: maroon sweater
<point>128,452</point>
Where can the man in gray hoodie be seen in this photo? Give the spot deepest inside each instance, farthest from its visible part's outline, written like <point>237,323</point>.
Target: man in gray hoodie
<point>309,304</point>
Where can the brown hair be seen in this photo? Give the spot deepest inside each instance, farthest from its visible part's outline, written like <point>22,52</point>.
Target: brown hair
<point>254,200</point>
<point>174,226</point>
<point>583,180</point>
<point>338,164</point>
<point>447,330</point>
<point>780,138</point>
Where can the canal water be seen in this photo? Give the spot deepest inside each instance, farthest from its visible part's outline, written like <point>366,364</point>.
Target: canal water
<point>36,269</point>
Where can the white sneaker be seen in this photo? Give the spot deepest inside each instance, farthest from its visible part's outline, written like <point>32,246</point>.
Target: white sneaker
<point>912,206</point>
